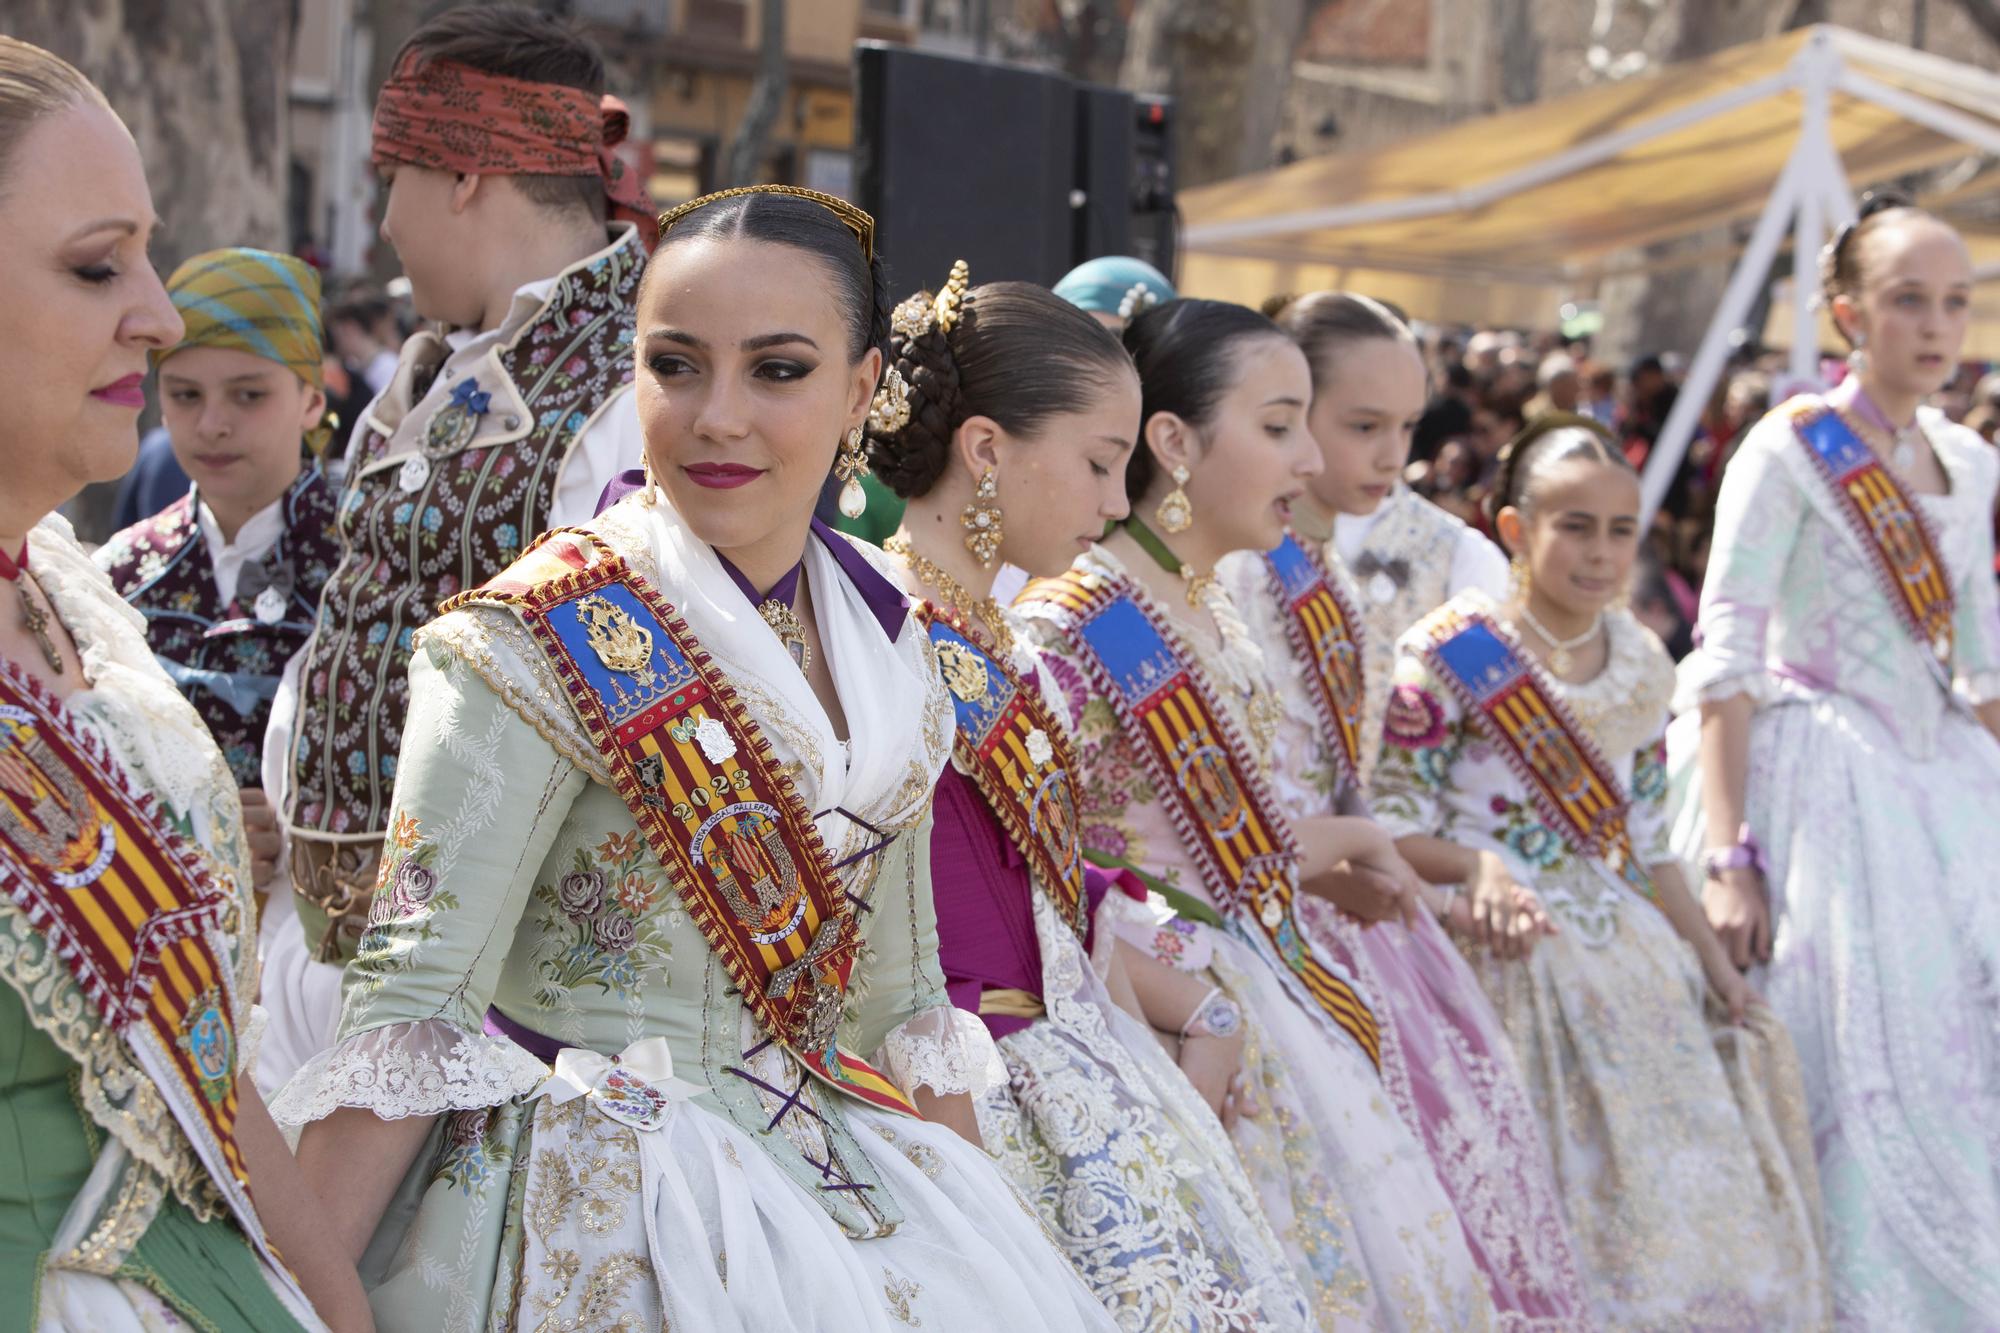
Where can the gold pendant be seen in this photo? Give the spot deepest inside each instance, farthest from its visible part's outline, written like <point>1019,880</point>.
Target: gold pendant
<point>1560,661</point>
<point>791,631</point>
<point>36,622</point>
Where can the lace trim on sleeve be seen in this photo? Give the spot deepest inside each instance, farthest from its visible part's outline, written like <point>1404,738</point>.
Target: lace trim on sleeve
<point>1703,679</point>
<point>406,1069</point>
<point>944,1049</point>
<point>251,1039</point>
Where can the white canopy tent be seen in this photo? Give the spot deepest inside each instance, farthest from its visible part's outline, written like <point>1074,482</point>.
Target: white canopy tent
<point>1771,130</point>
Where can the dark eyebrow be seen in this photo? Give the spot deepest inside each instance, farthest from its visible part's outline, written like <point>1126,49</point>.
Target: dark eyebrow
<point>763,340</point>
<point>680,336</point>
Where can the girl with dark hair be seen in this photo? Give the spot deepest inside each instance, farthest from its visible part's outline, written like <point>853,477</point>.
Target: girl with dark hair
<point>658,883</point>
<point>1522,759</point>
<point>1407,555</point>
<point>1006,426</point>
<point>1172,708</point>
<point>1446,1061</point>
<point>1848,687</point>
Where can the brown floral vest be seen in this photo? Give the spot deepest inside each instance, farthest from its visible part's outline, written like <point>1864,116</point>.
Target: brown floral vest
<point>438,499</point>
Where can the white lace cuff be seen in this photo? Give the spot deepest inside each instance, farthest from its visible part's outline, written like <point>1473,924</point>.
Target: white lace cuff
<point>406,1069</point>
<point>1979,687</point>
<point>251,1039</point>
<point>944,1049</point>
<point>1702,679</point>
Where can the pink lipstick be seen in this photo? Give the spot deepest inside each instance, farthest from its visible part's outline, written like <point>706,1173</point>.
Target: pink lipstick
<point>128,392</point>
<point>721,476</point>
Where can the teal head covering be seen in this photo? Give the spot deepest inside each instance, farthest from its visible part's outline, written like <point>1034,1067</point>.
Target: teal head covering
<point>1115,285</point>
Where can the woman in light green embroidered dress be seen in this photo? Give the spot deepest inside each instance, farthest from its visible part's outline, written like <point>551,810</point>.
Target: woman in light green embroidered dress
<point>706,1180</point>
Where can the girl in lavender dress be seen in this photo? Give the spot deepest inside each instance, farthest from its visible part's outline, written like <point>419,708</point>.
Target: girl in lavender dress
<point>1007,429</point>
<point>1848,688</point>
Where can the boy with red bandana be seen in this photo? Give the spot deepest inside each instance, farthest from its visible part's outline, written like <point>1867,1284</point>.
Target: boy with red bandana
<point>523,238</point>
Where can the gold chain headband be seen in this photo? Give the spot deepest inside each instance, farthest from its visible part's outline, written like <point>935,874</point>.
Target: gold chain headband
<point>857,220</point>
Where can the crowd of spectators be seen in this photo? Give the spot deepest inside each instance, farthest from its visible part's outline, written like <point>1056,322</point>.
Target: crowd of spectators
<point>1489,383</point>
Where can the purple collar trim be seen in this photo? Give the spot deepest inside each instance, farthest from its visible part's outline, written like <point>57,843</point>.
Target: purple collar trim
<point>885,601</point>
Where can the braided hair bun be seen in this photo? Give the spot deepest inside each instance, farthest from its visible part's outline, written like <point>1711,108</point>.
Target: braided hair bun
<point>1016,353</point>
<point>910,460</point>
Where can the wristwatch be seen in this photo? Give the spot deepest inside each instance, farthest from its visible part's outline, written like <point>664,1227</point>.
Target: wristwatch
<point>1216,1016</point>
<point>1745,855</point>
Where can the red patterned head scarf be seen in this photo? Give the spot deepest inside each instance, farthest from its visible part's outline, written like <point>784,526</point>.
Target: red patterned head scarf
<point>451,117</point>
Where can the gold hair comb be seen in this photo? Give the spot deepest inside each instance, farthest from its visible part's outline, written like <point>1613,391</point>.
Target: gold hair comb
<point>857,220</point>
<point>915,316</point>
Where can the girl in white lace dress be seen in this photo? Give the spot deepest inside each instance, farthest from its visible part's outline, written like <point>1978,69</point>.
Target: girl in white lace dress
<point>1522,760</point>
<point>662,825</point>
<point>1172,707</point>
<point>1848,692</point>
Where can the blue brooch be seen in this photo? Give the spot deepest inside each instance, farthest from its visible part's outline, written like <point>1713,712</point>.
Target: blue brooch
<point>453,425</point>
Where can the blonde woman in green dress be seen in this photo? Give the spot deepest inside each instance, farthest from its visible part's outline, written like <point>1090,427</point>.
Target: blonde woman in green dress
<point>132,1141</point>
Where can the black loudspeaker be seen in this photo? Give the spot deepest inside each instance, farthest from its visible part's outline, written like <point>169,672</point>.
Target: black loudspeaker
<point>1105,140</point>
<point>964,159</point>
<point>1155,219</point>
<point>1020,172</point>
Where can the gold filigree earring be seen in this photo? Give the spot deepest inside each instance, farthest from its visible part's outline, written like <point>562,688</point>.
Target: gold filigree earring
<point>982,520</point>
<point>1176,511</point>
<point>851,467</point>
<point>649,495</point>
<point>1517,574</point>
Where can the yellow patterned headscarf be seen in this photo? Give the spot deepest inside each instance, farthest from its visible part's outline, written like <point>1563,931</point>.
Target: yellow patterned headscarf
<point>252,300</point>
<point>257,302</point>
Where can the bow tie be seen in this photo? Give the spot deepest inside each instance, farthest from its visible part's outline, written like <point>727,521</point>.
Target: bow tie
<point>273,572</point>
<point>1368,564</point>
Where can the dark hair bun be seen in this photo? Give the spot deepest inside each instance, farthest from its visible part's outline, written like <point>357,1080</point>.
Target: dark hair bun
<point>1017,353</point>
<point>910,461</point>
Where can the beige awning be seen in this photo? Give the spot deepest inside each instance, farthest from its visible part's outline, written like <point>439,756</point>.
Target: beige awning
<point>1535,201</point>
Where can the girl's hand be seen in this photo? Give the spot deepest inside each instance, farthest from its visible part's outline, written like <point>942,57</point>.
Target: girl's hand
<point>1736,908</point>
<point>1507,917</point>
<point>1731,987</point>
<point>1362,893</point>
<point>1215,1066</point>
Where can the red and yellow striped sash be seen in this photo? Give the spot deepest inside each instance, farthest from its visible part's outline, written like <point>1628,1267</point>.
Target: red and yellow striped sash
<point>1887,525</point>
<point>132,912</point>
<point>1573,788</point>
<point>1326,635</point>
<point>1225,818</point>
<point>1019,758</point>
<point>713,804</point>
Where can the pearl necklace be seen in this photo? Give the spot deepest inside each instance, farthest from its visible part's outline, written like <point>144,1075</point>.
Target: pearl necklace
<point>1561,651</point>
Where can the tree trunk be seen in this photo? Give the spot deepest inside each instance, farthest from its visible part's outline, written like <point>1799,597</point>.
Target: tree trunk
<point>767,95</point>
<point>1228,63</point>
<point>203,86</point>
